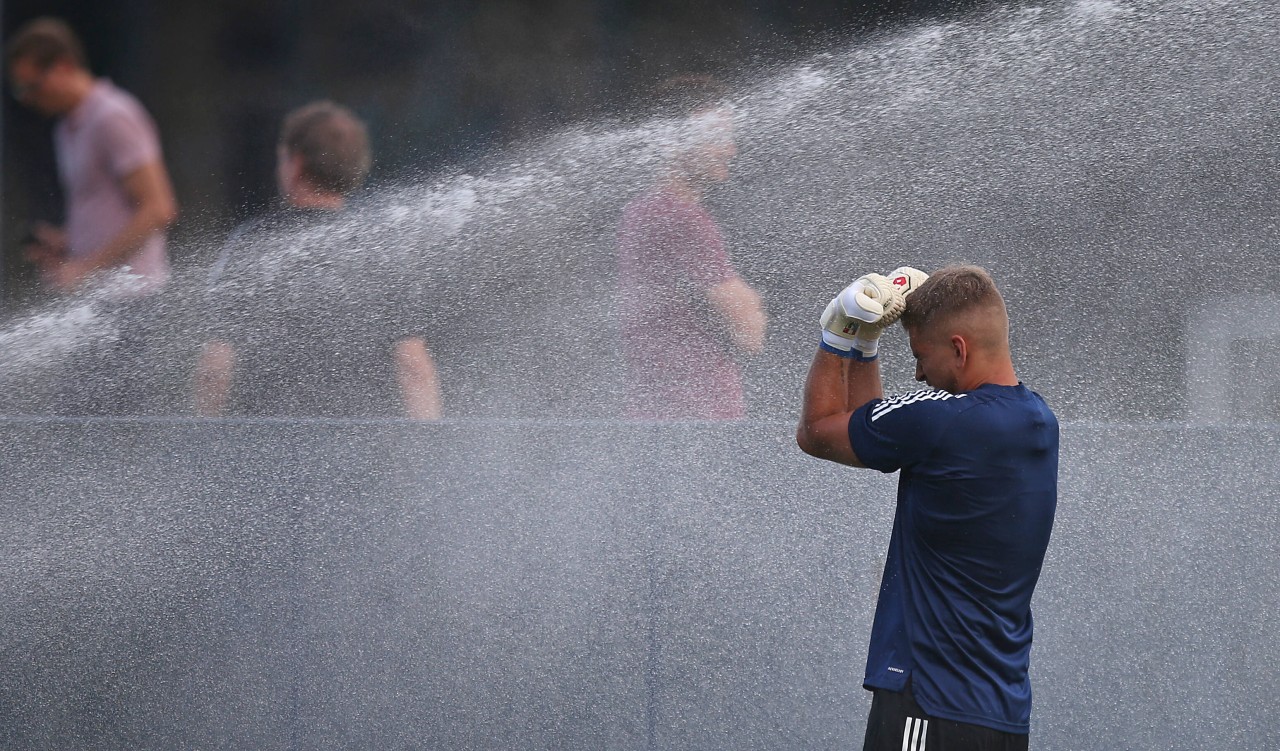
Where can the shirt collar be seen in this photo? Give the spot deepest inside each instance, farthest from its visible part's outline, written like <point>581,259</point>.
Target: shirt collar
<point>100,91</point>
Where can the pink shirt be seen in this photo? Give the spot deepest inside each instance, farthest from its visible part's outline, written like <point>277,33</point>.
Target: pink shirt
<point>670,254</point>
<point>99,143</point>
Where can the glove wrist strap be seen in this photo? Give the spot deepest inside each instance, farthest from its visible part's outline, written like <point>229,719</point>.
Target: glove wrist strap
<point>869,346</point>
<point>861,350</point>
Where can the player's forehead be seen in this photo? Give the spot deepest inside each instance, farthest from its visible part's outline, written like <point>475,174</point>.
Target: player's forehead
<point>920,336</point>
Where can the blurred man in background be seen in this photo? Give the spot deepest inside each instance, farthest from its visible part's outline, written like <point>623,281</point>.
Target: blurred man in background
<point>303,326</point>
<point>687,314</point>
<point>118,195</point>
<point>118,204</point>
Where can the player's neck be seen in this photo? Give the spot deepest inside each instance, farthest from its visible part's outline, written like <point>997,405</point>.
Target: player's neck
<point>79,85</point>
<point>303,197</point>
<point>684,188</point>
<point>998,373</point>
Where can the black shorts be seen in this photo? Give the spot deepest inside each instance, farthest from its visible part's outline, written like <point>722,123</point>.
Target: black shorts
<point>897,723</point>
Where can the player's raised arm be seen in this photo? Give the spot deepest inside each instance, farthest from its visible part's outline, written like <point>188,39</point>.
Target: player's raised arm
<point>845,373</point>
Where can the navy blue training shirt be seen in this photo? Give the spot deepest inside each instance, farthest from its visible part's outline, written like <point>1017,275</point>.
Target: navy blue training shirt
<point>976,499</point>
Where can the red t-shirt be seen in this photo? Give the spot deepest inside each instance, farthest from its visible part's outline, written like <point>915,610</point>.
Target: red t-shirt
<point>670,254</point>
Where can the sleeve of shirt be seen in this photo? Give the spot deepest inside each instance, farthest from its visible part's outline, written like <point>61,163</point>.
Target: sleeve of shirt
<point>129,141</point>
<point>890,434</point>
<point>220,301</point>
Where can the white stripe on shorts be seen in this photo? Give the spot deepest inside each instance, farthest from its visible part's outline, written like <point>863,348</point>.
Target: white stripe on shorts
<point>914,734</point>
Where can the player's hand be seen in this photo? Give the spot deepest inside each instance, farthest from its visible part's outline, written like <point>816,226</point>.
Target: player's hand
<point>871,301</point>
<point>904,280</point>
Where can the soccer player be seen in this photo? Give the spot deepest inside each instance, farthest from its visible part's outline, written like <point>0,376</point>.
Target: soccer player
<point>978,461</point>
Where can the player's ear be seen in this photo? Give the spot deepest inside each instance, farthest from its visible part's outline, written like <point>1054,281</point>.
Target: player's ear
<point>960,349</point>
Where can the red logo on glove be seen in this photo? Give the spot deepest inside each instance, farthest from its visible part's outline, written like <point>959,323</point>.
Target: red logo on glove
<point>901,281</point>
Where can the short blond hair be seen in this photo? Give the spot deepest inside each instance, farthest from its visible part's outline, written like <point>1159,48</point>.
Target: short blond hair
<point>950,292</point>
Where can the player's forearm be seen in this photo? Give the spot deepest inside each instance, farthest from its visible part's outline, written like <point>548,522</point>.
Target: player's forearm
<point>833,383</point>
<point>825,396</point>
<point>749,330</point>
<point>824,389</point>
<point>836,384</point>
<point>743,313</point>
<point>862,383</point>
<point>212,379</point>
<point>416,376</point>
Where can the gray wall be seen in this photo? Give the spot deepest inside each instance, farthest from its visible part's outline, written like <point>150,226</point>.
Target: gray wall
<point>519,584</point>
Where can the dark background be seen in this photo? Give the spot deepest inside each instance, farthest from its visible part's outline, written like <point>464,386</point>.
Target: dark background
<point>441,84</point>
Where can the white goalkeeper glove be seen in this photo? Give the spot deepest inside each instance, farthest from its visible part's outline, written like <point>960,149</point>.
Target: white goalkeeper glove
<point>905,280</point>
<point>870,302</point>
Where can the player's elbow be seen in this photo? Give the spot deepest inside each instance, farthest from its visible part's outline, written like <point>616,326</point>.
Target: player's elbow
<point>165,213</point>
<point>824,445</point>
<point>807,442</point>
<point>158,214</point>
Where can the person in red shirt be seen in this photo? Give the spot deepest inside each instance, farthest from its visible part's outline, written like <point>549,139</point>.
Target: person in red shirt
<point>687,314</point>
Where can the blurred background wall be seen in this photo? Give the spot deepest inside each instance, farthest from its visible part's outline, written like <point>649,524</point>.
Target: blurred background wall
<point>441,84</point>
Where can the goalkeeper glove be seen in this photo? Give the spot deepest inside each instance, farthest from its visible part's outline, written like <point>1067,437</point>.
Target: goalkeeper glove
<point>871,302</point>
<point>905,280</point>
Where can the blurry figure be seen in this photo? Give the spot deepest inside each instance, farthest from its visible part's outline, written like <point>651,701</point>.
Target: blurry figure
<point>322,341</point>
<point>118,196</point>
<point>118,203</point>
<point>686,313</point>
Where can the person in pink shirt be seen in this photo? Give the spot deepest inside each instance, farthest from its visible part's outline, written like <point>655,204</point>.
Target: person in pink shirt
<point>118,204</point>
<point>119,200</point>
<point>687,314</point>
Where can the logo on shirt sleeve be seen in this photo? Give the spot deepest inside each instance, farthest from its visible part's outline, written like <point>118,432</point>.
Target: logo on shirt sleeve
<point>923,395</point>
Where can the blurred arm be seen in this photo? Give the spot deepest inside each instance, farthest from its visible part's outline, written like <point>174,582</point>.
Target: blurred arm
<point>151,194</point>
<point>214,370</point>
<point>419,385</point>
<point>46,247</point>
<point>836,386</point>
<point>740,307</point>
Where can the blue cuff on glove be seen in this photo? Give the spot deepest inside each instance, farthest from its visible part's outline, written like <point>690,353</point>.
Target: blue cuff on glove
<point>848,354</point>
